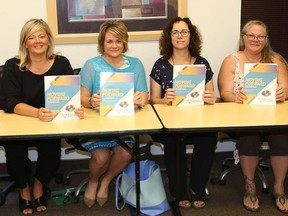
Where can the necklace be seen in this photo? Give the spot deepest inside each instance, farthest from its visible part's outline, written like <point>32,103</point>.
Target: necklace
<point>174,63</point>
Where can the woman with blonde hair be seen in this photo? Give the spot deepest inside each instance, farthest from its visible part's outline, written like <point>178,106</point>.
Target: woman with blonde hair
<point>108,158</point>
<point>254,47</point>
<point>23,94</point>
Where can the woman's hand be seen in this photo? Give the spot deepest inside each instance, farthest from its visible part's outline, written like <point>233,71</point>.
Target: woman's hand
<point>95,100</point>
<point>80,112</point>
<point>169,96</point>
<point>209,97</point>
<point>280,94</point>
<point>139,99</point>
<point>45,115</point>
<point>241,96</point>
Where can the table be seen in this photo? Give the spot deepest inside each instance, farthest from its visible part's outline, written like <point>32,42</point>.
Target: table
<point>220,117</point>
<point>16,127</point>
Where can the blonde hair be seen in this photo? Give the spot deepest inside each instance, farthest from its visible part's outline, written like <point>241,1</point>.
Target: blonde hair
<point>267,52</point>
<point>118,29</point>
<point>29,28</point>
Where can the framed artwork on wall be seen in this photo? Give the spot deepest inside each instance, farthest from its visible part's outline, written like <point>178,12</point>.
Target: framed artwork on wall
<point>78,21</point>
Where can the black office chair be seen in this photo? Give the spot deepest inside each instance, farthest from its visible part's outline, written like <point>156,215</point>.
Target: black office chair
<point>5,177</point>
<point>228,165</point>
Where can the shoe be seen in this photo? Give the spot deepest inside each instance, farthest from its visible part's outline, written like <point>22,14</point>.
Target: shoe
<point>25,205</point>
<point>185,204</point>
<point>280,200</point>
<point>253,198</point>
<point>40,202</point>
<point>198,204</point>
<point>101,200</point>
<point>198,201</point>
<point>89,202</point>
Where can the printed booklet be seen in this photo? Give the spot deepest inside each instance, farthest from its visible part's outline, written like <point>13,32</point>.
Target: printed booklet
<point>62,95</point>
<point>189,84</point>
<point>117,93</point>
<point>260,83</point>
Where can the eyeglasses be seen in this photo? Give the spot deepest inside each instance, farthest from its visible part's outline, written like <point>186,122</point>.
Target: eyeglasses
<point>254,37</point>
<point>183,33</point>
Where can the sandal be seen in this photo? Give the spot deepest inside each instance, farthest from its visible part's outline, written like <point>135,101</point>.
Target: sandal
<point>25,205</point>
<point>40,202</point>
<point>251,196</point>
<point>280,200</point>
<point>184,204</point>
<point>198,204</point>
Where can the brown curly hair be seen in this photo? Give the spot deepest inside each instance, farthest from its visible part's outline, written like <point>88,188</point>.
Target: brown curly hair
<point>165,44</point>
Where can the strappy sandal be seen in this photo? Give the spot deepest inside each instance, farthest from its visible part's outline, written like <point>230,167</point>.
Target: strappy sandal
<point>253,199</point>
<point>184,204</point>
<point>281,199</point>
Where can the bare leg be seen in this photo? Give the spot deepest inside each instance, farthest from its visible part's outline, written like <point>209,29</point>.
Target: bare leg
<point>25,195</point>
<point>38,192</point>
<point>280,166</point>
<point>119,160</point>
<point>249,165</point>
<point>98,164</point>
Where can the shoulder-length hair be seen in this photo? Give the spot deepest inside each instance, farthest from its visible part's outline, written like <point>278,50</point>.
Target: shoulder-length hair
<point>29,28</point>
<point>118,29</point>
<point>267,52</point>
<point>165,43</point>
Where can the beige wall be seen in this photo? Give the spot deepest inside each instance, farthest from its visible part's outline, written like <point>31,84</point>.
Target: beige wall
<point>218,21</point>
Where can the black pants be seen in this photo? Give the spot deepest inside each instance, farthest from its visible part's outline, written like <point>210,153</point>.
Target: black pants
<point>201,162</point>
<point>251,141</point>
<point>19,165</point>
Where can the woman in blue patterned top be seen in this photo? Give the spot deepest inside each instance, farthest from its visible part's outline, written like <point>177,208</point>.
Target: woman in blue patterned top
<point>108,158</point>
<point>180,44</point>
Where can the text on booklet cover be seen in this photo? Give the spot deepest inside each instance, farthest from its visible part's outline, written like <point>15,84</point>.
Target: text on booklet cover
<point>62,95</point>
<point>189,84</point>
<point>260,83</point>
<point>117,92</point>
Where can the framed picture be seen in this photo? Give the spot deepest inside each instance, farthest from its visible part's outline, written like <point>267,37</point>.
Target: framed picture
<point>78,21</point>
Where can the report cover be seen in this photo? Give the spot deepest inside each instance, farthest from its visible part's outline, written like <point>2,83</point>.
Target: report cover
<point>189,84</point>
<point>117,92</point>
<point>260,83</point>
<point>62,95</point>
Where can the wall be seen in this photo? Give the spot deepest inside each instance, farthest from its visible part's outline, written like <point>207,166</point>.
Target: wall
<point>218,21</point>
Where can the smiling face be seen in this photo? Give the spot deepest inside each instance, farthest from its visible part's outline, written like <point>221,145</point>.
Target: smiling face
<point>255,38</point>
<point>37,43</point>
<point>113,46</point>
<point>180,41</point>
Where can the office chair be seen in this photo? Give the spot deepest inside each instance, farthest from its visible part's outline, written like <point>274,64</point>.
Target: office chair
<point>5,177</point>
<point>228,165</point>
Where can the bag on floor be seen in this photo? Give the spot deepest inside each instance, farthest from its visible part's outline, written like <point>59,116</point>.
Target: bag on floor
<point>153,200</point>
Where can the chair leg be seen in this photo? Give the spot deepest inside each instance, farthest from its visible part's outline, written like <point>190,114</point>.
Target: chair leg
<point>80,186</point>
<point>227,171</point>
<point>263,179</point>
<point>5,191</point>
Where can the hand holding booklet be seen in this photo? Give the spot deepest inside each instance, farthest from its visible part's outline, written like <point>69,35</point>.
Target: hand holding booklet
<point>260,83</point>
<point>62,95</point>
<point>189,84</point>
<point>117,93</point>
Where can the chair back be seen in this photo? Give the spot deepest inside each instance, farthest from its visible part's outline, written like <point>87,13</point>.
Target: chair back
<point>1,75</point>
<point>76,71</point>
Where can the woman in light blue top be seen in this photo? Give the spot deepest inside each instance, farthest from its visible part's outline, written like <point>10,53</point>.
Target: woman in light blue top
<point>108,158</point>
